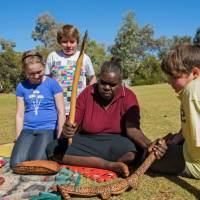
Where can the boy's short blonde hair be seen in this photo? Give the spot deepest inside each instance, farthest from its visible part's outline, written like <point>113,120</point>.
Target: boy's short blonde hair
<point>180,60</point>
<point>68,31</point>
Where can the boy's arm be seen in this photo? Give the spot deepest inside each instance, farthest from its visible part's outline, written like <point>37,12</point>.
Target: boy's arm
<point>19,115</point>
<point>47,70</point>
<point>90,73</point>
<point>176,138</point>
<point>48,65</point>
<point>92,80</point>
<point>61,112</point>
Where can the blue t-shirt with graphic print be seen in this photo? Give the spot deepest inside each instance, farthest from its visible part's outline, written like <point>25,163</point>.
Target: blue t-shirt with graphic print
<point>40,107</point>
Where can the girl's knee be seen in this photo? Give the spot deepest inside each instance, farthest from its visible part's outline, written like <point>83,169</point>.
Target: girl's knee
<point>14,162</point>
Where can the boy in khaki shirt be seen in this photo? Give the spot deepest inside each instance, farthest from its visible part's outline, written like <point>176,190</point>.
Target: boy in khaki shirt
<point>182,66</point>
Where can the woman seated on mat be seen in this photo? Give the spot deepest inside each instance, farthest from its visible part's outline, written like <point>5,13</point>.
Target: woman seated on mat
<point>107,126</point>
<point>40,111</point>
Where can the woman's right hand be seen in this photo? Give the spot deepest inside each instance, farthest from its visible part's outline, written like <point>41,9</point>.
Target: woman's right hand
<point>69,129</point>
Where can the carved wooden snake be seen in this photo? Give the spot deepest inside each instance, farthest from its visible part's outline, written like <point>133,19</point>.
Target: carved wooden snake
<point>106,191</point>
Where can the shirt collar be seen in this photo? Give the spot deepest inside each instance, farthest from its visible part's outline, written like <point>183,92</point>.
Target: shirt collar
<point>119,93</point>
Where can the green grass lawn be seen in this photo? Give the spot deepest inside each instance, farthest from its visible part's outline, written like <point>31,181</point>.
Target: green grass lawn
<point>7,117</point>
<point>159,115</point>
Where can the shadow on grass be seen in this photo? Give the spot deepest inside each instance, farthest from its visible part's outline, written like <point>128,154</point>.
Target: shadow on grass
<point>179,181</point>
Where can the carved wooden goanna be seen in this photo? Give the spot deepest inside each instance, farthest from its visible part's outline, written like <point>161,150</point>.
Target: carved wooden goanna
<point>106,191</point>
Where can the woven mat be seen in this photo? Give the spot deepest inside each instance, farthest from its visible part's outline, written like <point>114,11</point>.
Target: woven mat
<point>18,187</point>
<point>98,175</point>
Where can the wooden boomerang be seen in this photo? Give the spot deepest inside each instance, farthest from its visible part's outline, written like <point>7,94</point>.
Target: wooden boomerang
<point>79,63</point>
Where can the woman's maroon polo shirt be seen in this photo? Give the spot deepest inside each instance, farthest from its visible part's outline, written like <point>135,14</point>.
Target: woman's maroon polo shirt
<point>94,119</point>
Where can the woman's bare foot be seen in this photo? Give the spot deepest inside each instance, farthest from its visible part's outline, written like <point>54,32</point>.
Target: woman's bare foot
<point>119,167</point>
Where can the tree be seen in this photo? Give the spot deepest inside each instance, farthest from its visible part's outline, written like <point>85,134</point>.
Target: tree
<point>46,30</point>
<point>5,44</point>
<point>97,54</point>
<point>175,41</point>
<point>196,39</point>
<point>10,70</point>
<point>133,44</point>
<point>149,72</point>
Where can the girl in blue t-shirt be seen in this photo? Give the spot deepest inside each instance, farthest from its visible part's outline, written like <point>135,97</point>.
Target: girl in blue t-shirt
<point>40,111</point>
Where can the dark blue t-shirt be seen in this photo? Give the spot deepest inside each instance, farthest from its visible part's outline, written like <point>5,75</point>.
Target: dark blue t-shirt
<point>40,107</point>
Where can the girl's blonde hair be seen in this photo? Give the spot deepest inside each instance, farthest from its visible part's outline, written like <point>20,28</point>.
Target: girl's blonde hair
<point>31,57</point>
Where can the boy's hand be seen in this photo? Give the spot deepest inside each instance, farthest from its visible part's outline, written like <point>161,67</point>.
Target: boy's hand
<point>176,138</point>
<point>159,148</point>
<point>69,129</point>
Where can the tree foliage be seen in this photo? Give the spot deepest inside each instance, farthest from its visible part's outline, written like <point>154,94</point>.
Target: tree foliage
<point>149,72</point>
<point>46,30</point>
<point>133,44</point>
<point>97,54</point>
<point>10,70</point>
<point>6,45</point>
<point>196,39</point>
<point>139,51</point>
<point>175,41</point>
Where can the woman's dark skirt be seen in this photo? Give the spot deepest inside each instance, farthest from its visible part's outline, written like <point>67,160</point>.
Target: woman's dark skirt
<point>107,146</point>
